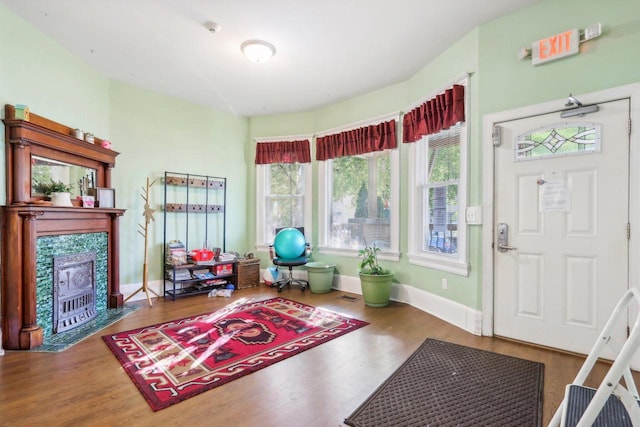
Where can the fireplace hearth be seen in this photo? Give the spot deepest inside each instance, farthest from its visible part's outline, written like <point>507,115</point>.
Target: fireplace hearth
<point>74,290</point>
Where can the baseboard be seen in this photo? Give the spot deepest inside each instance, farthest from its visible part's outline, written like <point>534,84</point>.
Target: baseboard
<point>451,312</point>
<point>130,288</point>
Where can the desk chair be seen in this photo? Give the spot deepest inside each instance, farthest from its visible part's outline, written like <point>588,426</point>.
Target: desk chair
<point>290,250</point>
<point>613,403</point>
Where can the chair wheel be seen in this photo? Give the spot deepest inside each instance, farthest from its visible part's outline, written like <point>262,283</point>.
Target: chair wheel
<point>279,290</point>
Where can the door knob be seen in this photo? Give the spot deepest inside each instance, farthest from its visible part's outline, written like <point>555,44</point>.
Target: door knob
<point>503,238</point>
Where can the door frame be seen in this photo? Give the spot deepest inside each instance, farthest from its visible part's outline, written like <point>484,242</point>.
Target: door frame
<point>631,91</point>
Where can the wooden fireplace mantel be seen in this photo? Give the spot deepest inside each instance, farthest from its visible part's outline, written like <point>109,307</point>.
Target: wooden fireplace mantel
<point>26,217</point>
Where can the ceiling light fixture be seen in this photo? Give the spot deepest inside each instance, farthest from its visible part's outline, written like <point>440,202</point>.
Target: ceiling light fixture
<point>258,51</point>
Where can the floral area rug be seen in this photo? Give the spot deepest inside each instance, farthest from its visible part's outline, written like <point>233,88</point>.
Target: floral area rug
<point>170,362</point>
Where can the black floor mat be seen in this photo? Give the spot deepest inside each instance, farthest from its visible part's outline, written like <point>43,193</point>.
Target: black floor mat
<point>444,384</point>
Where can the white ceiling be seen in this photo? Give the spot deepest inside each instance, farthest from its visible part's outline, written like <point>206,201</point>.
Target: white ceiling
<point>327,50</point>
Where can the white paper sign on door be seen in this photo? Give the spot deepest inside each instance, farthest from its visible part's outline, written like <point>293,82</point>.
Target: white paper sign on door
<point>554,196</point>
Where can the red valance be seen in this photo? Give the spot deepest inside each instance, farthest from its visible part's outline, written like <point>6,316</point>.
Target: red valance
<point>283,152</point>
<point>362,140</point>
<point>439,113</point>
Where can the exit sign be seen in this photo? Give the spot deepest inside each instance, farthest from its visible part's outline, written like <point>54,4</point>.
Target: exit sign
<point>555,47</point>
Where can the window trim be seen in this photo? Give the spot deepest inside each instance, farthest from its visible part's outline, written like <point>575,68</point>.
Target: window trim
<point>458,264</point>
<point>262,186</point>
<point>324,204</point>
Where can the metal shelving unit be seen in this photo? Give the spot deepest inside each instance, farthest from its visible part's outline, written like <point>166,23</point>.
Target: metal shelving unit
<point>194,213</point>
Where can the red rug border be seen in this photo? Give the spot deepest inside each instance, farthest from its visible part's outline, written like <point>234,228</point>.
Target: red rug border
<point>157,404</point>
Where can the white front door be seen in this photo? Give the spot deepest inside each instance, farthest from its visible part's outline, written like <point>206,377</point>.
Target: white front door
<point>562,199</point>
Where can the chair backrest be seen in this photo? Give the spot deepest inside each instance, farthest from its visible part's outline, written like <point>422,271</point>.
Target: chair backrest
<point>300,229</point>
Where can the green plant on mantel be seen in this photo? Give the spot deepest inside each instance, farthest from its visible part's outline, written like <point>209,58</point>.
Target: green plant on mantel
<point>49,187</point>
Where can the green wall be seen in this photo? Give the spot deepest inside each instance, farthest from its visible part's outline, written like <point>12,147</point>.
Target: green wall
<point>155,133</point>
<point>608,61</point>
<point>52,82</point>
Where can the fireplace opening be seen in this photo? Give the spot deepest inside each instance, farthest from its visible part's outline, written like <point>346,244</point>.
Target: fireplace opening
<point>74,290</point>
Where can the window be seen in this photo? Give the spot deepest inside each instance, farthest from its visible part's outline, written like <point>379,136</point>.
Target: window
<point>282,201</point>
<point>283,198</point>
<point>360,201</point>
<point>440,192</point>
<point>437,200</point>
<point>561,140</point>
<point>358,194</point>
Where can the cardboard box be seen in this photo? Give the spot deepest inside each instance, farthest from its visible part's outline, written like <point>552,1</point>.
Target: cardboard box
<point>248,273</point>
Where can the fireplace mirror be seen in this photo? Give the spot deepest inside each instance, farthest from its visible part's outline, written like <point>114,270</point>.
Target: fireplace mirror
<point>45,171</point>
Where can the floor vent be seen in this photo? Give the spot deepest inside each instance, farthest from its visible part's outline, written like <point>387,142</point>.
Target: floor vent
<point>348,298</point>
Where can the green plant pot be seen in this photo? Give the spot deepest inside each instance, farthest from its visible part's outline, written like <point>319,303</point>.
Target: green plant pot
<point>320,276</point>
<point>376,289</point>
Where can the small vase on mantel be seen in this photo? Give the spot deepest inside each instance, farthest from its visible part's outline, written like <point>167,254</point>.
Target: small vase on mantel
<point>61,199</point>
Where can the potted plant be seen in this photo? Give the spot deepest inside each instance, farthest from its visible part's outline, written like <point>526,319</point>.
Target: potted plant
<point>49,187</point>
<point>374,279</point>
<point>58,191</point>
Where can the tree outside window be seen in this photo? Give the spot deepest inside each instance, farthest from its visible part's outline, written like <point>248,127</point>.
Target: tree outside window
<point>360,198</point>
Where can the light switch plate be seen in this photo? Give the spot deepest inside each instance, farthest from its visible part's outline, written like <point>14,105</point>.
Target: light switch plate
<point>473,215</point>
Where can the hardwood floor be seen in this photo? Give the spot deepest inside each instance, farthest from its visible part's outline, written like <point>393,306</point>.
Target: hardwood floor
<point>85,385</point>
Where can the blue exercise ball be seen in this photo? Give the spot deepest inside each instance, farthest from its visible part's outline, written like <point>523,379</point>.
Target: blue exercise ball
<point>289,243</point>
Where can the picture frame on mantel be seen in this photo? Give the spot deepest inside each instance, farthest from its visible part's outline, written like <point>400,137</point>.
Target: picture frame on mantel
<point>104,197</point>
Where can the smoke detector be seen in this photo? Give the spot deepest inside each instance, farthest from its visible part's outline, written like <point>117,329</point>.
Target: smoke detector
<point>213,27</point>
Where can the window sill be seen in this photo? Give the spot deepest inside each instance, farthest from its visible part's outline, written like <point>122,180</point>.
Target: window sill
<point>353,253</point>
<point>442,263</point>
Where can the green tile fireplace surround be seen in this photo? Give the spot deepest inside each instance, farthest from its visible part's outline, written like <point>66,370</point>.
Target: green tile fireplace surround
<point>48,247</point>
